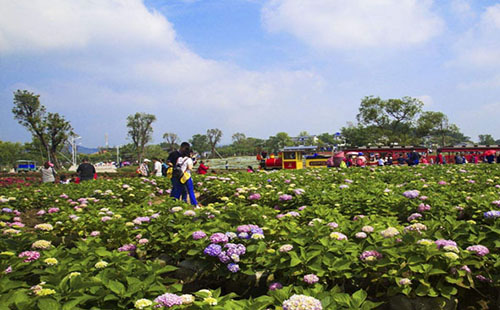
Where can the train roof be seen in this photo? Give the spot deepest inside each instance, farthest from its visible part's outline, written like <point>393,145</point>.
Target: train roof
<point>388,148</point>
<point>469,148</point>
<point>300,148</point>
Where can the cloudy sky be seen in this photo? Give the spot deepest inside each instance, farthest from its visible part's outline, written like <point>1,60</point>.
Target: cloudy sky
<point>251,66</point>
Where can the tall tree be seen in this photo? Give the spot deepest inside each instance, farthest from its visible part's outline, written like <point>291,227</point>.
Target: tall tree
<point>9,153</point>
<point>486,139</point>
<point>140,130</point>
<point>394,117</point>
<point>214,136</point>
<point>279,141</point>
<point>50,129</point>
<point>172,140</point>
<point>199,143</point>
<point>436,129</point>
<point>238,138</point>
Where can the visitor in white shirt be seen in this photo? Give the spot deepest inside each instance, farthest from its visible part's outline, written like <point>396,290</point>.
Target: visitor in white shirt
<point>157,168</point>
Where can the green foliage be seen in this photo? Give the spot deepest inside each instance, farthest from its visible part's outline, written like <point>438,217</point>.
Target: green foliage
<point>213,136</point>
<point>140,130</point>
<point>199,143</point>
<point>486,139</point>
<point>50,129</point>
<point>400,121</point>
<point>170,260</point>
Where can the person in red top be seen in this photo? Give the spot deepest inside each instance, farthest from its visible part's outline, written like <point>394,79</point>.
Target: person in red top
<point>202,169</point>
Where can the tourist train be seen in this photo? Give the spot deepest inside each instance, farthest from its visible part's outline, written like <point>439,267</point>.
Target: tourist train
<point>299,157</point>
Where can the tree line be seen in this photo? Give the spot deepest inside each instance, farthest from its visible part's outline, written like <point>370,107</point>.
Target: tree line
<point>384,122</point>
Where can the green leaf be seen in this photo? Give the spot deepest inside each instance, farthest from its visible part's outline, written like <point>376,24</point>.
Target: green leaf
<point>116,287</point>
<point>295,259</point>
<point>422,290</point>
<point>342,299</point>
<point>358,298</point>
<point>48,304</point>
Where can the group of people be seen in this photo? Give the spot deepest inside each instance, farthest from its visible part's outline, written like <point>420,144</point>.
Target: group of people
<point>178,167</point>
<point>471,157</point>
<point>85,172</point>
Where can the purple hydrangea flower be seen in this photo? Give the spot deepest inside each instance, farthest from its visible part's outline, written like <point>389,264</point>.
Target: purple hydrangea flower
<point>219,238</point>
<point>411,194</point>
<point>224,258</point>
<point>298,191</point>
<point>480,250</point>
<point>370,255</point>
<point>442,243</point>
<point>492,214</point>
<point>414,216</point>
<point>235,249</point>
<point>213,249</point>
<point>423,207</point>
<point>255,196</point>
<point>483,279</point>
<point>311,278</point>
<point>285,197</point>
<point>233,267</point>
<point>168,300</point>
<point>275,286</point>
<point>127,248</point>
<point>30,256</point>
<point>333,225</point>
<point>199,234</point>
<point>243,228</point>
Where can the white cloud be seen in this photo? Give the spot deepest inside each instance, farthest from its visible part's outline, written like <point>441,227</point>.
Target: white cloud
<point>113,58</point>
<point>38,25</point>
<point>426,99</point>
<point>462,8</point>
<point>348,24</point>
<point>489,83</point>
<point>480,47</point>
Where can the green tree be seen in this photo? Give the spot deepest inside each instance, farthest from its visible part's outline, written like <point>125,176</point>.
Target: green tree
<point>486,139</point>
<point>199,143</point>
<point>214,136</point>
<point>278,142</point>
<point>10,152</point>
<point>360,135</point>
<point>50,129</point>
<point>172,141</point>
<point>238,138</point>
<point>395,118</point>
<point>155,151</point>
<point>140,130</point>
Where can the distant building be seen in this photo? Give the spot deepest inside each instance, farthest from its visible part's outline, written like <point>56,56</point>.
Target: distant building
<point>305,139</point>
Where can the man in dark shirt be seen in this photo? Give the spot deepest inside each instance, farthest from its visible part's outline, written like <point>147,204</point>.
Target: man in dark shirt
<point>177,188</point>
<point>86,171</point>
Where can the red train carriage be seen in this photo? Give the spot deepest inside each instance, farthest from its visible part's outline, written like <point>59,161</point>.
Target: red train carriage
<point>398,153</point>
<point>472,153</point>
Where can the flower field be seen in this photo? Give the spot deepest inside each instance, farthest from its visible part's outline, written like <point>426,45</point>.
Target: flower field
<point>384,238</point>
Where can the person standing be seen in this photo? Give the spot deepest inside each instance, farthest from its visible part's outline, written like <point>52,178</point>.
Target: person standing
<point>86,171</point>
<point>413,158</point>
<point>186,164</point>
<point>177,188</point>
<point>143,169</point>
<point>48,172</point>
<point>157,168</point>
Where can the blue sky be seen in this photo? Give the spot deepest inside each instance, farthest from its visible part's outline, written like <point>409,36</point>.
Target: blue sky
<point>251,66</point>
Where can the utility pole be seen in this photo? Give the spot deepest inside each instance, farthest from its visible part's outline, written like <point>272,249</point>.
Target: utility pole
<point>118,155</point>
<point>72,142</point>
